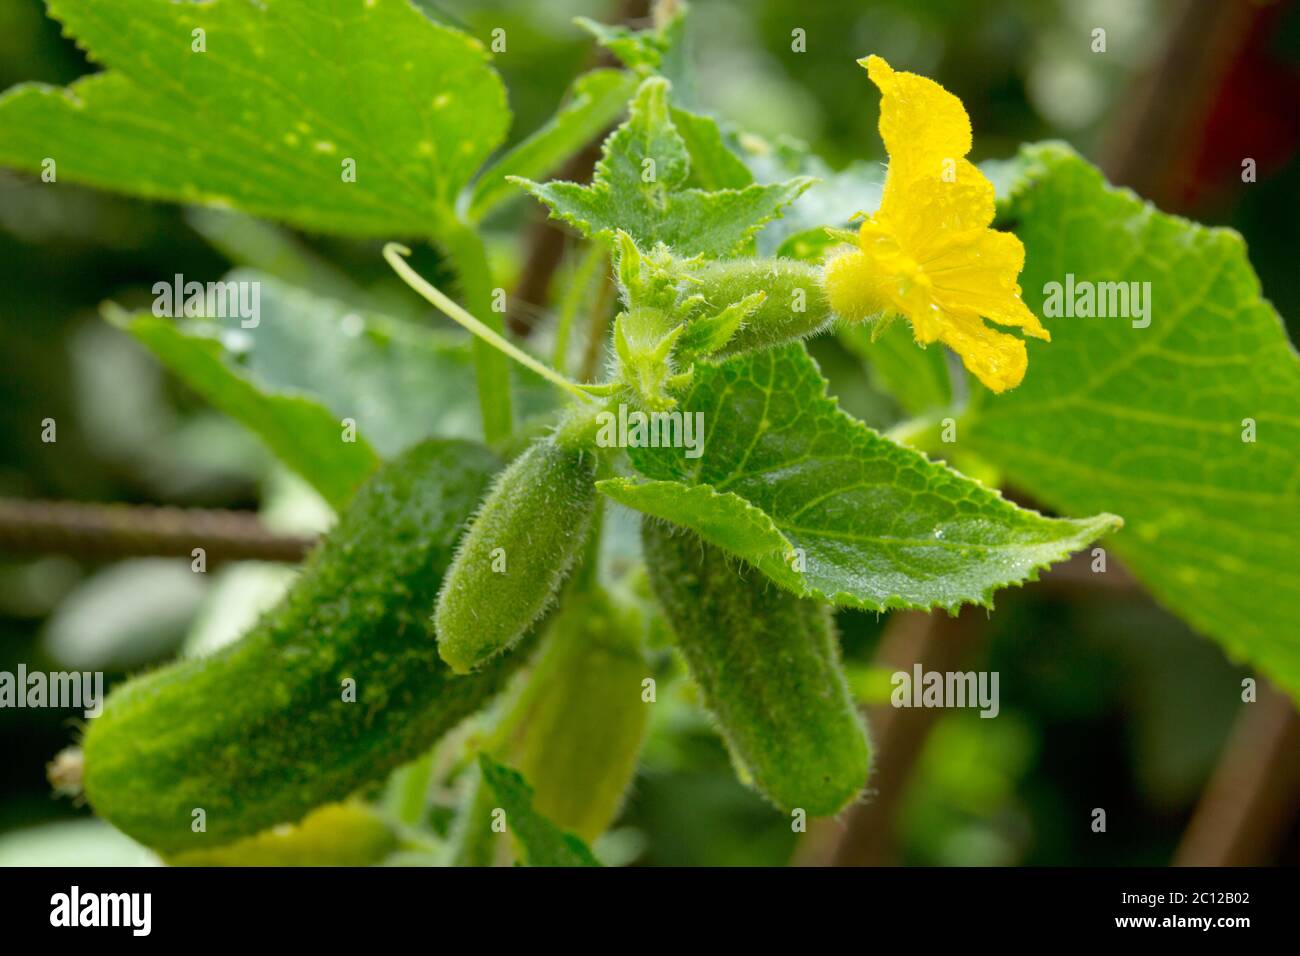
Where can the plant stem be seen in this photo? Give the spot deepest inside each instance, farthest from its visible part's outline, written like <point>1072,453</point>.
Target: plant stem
<point>97,531</point>
<point>471,839</point>
<point>490,338</point>
<point>586,577</point>
<point>408,789</point>
<point>597,325</point>
<point>492,371</point>
<point>574,296</point>
<point>578,427</point>
<point>1250,801</point>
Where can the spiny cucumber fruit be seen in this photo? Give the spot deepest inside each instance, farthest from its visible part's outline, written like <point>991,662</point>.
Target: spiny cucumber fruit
<point>263,731</point>
<point>767,665</point>
<point>516,553</point>
<point>795,306</point>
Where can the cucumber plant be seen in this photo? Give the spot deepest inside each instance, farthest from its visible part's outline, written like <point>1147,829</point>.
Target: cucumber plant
<point>764,506</point>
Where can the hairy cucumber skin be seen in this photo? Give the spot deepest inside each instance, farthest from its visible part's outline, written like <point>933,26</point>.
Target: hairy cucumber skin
<point>258,734</point>
<point>775,321</point>
<point>767,665</point>
<point>537,513</point>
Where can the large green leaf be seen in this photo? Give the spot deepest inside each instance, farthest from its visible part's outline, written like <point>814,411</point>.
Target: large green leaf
<point>835,198</point>
<point>399,381</point>
<point>542,842</point>
<point>297,428</point>
<point>783,470</point>
<point>264,119</point>
<point>918,378</point>
<point>640,187</point>
<point>1148,422</point>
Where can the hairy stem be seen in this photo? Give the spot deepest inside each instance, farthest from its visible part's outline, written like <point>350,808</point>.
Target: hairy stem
<point>579,286</point>
<point>492,371</point>
<point>598,325</point>
<point>490,338</point>
<point>408,790</point>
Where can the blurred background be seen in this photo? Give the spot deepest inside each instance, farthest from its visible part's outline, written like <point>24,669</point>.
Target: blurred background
<point>1107,700</point>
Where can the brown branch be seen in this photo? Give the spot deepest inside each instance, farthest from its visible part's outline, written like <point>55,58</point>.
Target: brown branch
<point>597,323</point>
<point>1150,142</point>
<point>1254,793</point>
<point>122,530</point>
<point>545,252</point>
<point>102,531</point>
<point>545,237</point>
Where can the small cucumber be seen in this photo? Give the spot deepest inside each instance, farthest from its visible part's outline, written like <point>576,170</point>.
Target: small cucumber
<point>767,665</point>
<point>516,554</point>
<point>333,688</point>
<point>794,307</point>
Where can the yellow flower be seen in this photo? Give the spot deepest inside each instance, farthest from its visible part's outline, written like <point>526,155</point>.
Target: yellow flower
<point>928,253</point>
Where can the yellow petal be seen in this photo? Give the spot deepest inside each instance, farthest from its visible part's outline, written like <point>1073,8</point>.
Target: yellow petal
<point>928,213</point>
<point>928,252</point>
<point>995,358</point>
<point>921,123</point>
<point>979,277</point>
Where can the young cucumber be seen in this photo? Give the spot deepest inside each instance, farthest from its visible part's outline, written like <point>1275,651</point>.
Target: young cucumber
<point>513,560</point>
<point>767,665</point>
<point>335,687</point>
<point>573,726</point>
<point>794,306</point>
<point>575,730</point>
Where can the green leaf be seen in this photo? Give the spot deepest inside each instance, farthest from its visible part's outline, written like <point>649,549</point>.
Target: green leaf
<point>264,118</point>
<point>713,164</point>
<point>543,843</point>
<point>833,200</point>
<point>593,102</point>
<point>879,526</point>
<point>298,429</point>
<point>399,381</point>
<point>638,50</point>
<point>724,518</point>
<point>916,377</point>
<point>276,251</point>
<point>660,49</point>
<point>640,187</point>
<point>1148,422</point>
